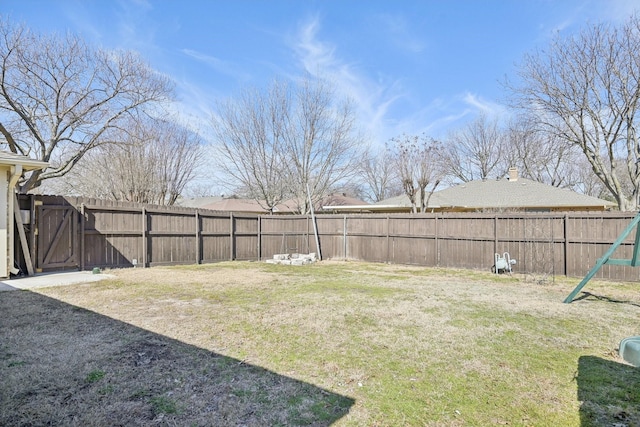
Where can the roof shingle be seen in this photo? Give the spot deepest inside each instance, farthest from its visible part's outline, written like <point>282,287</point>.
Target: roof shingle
<point>506,194</point>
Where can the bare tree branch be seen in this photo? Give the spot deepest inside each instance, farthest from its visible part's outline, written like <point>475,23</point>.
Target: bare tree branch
<point>378,175</point>
<point>419,166</point>
<point>60,98</point>
<point>274,143</point>
<point>477,151</point>
<point>153,164</point>
<point>585,90</point>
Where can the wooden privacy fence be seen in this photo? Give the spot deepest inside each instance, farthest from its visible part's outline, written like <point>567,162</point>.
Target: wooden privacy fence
<point>77,233</point>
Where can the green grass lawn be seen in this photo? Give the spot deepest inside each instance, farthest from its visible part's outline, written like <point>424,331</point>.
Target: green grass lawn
<point>392,345</point>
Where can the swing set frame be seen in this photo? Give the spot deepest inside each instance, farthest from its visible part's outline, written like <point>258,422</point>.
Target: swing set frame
<point>606,258</point>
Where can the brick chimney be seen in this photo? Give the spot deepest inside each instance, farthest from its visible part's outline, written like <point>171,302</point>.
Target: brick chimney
<point>513,174</point>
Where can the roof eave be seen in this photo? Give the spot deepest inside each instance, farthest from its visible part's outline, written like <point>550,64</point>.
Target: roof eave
<point>27,165</point>
<point>371,208</point>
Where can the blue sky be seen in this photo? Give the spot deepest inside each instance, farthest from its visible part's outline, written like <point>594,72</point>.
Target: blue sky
<point>410,66</point>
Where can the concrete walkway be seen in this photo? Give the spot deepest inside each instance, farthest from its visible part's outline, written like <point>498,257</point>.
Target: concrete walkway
<point>43,280</point>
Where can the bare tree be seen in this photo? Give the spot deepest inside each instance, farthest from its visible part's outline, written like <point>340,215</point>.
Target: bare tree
<point>588,183</point>
<point>419,167</point>
<point>585,89</point>
<point>477,151</point>
<point>378,175</point>
<point>322,143</point>
<point>284,141</point>
<point>545,157</point>
<point>250,134</point>
<point>60,98</point>
<point>154,162</point>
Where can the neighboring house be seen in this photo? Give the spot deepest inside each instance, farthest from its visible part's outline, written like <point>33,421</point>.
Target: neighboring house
<point>245,206</point>
<point>198,202</point>
<point>513,193</point>
<point>333,200</point>
<point>233,204</point>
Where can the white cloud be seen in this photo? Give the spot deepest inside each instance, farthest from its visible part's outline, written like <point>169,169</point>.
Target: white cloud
<point>399,32</point>
<point>79,15</point>
<point>589,12</point>
<point>314,54</point>
<point>489,108</point>
<point>385,107</point>
<point>372,97</point>
<point>194,105</point>
<point>619,10</point>
<point>223,67</point>
<point>135,28</point>
<point>436,117</point>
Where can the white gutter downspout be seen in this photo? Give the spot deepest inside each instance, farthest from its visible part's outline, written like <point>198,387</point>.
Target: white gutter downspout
<point>16,173</point>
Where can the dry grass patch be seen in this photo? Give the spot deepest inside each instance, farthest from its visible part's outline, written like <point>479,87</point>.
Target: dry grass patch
<point>329,343</point>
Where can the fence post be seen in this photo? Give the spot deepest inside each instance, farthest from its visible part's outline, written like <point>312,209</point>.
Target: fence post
<point>259,237</point>
<point>495,234</point>
<point>32,228</point>
<point>145,235</point>
<point>565,249</point>
<point>82,234</point>
<point>231,237</point>
<point>437,243</point>
<point>198,239</point>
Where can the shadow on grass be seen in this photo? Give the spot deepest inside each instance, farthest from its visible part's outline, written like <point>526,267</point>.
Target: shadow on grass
<point>64,365</point>
<point>589,295</point>
<point>609,393</point>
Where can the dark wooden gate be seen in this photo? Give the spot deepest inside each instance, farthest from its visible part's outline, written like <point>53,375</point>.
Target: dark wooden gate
<point>57,238</point>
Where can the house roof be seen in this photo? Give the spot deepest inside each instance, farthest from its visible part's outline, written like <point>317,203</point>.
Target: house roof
<point>199,202</point>
<point>28,164</point>
<point>340,200</point>
<point>517,193</point>
<point>235,205</point>
<point>512,193</point>
<point>244,205</point>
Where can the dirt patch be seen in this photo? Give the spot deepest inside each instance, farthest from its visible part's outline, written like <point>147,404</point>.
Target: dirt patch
<point>64,365</point>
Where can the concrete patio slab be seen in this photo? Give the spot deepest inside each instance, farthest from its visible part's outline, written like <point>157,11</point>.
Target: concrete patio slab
<point>42,280</point>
